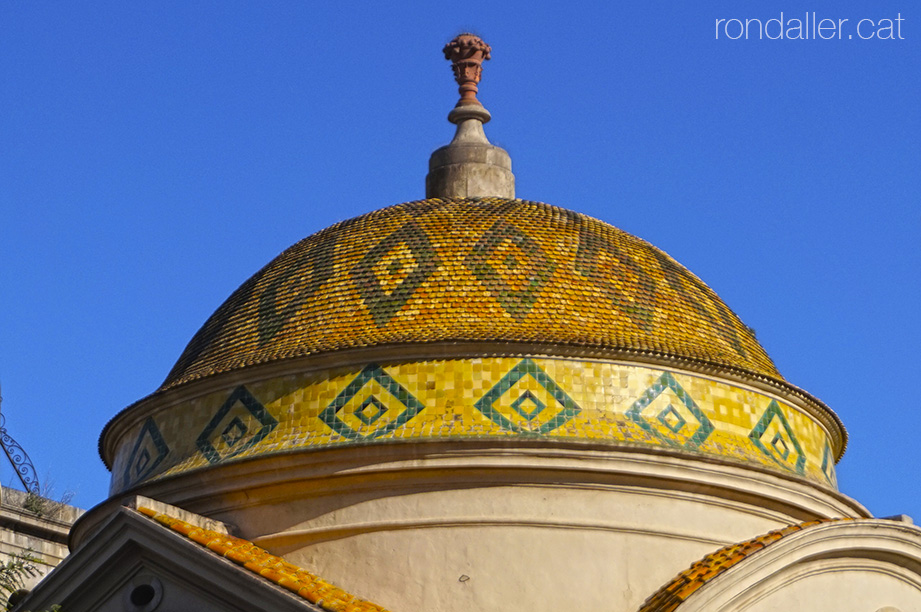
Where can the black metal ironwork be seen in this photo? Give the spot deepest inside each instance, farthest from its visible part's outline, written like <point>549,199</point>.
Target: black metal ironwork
<point>20,460</point>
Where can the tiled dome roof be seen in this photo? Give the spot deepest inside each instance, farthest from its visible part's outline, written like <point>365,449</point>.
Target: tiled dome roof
<point>478,270</point>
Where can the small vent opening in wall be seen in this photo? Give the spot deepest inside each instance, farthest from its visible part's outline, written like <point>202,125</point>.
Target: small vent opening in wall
<point>143,594</point>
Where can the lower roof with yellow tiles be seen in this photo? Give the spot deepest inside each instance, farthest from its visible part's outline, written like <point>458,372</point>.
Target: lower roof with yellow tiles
<point>244,553</point>
<point>471,270</point>
<point>685,584</point>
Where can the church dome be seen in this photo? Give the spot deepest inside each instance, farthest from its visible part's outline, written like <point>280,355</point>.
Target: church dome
<point>478,270</point>
<point>471,318</point>
<point>468,380</point>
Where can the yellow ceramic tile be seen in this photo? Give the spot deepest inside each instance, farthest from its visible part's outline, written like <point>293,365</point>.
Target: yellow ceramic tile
<point>470,270</point>
<point>531,398</point>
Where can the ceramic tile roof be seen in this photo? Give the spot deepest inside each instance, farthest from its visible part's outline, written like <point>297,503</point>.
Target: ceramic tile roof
<point>275,569</point>
<point>473,270</point>
<point>670,596</point>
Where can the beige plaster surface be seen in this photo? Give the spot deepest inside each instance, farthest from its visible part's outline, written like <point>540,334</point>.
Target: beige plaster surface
<point>841,586</point>
<point>454,527</point>
<point>861,565</point>
<point>43,537</point>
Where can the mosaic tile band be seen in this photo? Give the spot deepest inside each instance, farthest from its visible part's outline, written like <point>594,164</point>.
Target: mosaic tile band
<point>555,399</point>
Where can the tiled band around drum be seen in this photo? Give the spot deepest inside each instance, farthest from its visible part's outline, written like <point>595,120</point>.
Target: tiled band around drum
<point>529,398</point>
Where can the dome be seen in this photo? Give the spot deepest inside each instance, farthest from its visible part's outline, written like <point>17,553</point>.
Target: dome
<point>465,381</point>
<point>469,320</point>
<point>476,270</point>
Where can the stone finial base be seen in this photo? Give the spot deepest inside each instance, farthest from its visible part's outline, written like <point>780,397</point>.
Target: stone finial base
<point>470,171</point>
<point>470,167</point>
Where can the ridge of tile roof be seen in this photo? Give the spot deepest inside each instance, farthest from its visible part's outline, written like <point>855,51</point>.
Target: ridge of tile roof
<point>271,567</point>
<point>676,591</point>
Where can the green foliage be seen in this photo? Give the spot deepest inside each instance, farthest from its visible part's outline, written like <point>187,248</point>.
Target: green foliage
<point>43,505</point>
<point>36,504</point>
<point>17,569</point>
<point>14,573</point>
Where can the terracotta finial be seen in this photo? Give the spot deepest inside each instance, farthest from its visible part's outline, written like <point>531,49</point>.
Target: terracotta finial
<point>469,166</point>
<point>467,54</point>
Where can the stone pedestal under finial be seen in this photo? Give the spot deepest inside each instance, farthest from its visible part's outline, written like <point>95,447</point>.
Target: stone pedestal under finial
<point>469,166</point>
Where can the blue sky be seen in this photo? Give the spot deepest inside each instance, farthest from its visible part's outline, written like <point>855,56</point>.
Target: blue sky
<point>157,154</point>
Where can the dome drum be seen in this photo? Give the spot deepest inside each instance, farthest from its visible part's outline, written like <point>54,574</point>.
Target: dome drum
<point>471,319</point>
<point>524,399</point>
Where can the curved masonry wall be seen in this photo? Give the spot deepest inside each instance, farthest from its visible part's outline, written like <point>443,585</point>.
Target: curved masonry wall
<point>568,400</point>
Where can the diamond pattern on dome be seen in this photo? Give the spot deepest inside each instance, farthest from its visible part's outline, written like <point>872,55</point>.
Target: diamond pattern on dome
<point>780,446</point>
<point>527,401</point>
<point>150,449</point>
<point>485,397</point>
<point>391,271</point>
<point>619,275</point>
<point>512,266</point>
<point>672,419</point>
<point>476,270</point>
<point>775,438</point>
<point>239,424</point>
<point>528,405</point>
<point>370,410</point>
<point>667,412</point>
<point>372,405</point>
